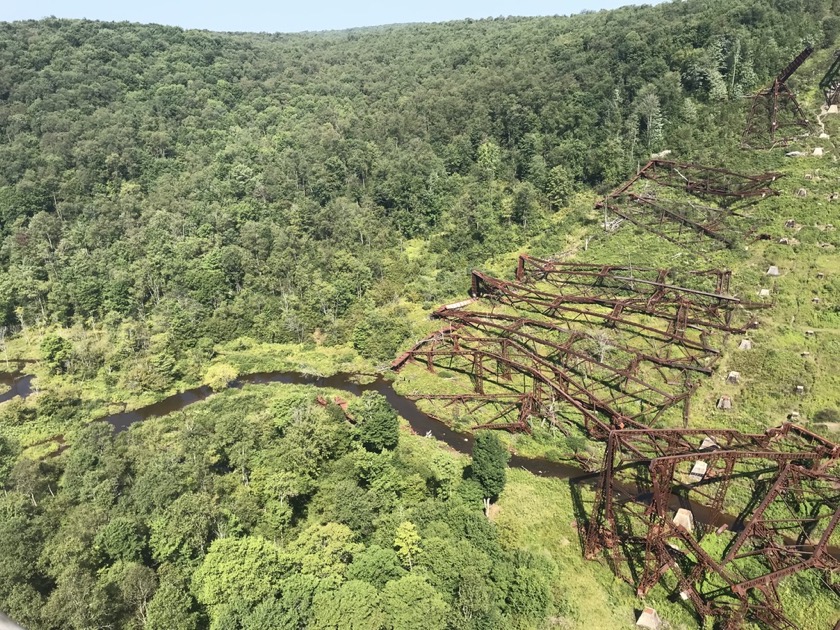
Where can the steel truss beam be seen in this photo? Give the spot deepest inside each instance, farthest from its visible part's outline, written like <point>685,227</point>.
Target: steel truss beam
<point>520,408</point>
<point>534,331</point>
<point>775,116</point>
<point>725,187</point>
<point>570,347</point>
<point>682,221</point>
<point>678,315</point>
<point>709,286</point>
<point>572,353</point>
<point>787,521</point>
<point>602,395</point>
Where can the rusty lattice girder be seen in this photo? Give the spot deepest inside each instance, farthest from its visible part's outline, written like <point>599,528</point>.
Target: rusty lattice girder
<point>724,186</point>
<point>678,315</point>
<point>541,353</point>
<point>570,345</point>
<point>787,515</point>
<point>679,222</point>
<point>685,221</point>
<point>775,117</point>
<point>611,348</point>
<point>537,331</point>
<point>709,286</point>
<point>519,408</point>
<point>601,395</point>
<point>708,291</point>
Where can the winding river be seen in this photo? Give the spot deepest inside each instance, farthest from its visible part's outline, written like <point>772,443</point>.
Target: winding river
<point>419,421</point>
<point>21,385</point>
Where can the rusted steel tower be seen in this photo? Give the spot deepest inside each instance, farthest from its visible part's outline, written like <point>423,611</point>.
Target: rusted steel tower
<point>775,117</point>
<point>830,84</point>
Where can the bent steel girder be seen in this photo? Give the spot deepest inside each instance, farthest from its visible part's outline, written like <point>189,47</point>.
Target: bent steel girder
<point>680,221</point>
<point>678,315</point>
<point>508,325</point>
<point>794,65</point>
<point>510,412</point>
<point>577,348</point>
<point>602,395</point>
<point>803,503</point>
<point>775,112</point>
<point>788,523</point>
<point>540,355</point>
<point>709,287</point>
<point>726,186</point>
<point>585,366</point>
<point>513,410</point>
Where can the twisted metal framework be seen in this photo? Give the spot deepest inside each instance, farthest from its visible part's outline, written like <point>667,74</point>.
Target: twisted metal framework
<point>787,504</point>
<point>622,280</point>
<point>677,315</point>
<point>724,186</point>
<point>611,348</point>
<point>685,221</point>
<point>775,118</point>
<point>830,83</point>
<point>600,346</point>
<point>553,372</point>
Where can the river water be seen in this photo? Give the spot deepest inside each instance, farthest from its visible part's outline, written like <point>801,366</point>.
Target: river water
<point>420,422</point>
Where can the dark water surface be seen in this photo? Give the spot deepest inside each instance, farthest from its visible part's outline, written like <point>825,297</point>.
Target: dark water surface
<point>420,422</point>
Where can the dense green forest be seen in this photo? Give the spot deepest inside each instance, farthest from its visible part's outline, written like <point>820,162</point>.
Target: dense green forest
<point>181,207</point>
<point>217,186</point>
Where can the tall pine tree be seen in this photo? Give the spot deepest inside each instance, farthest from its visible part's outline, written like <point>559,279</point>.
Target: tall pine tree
<point>489,463</point>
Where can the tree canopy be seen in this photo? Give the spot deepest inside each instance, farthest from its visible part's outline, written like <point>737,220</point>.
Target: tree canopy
<point>490,459</point>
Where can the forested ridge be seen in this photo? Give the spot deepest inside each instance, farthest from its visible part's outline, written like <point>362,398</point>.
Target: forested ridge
<point>263,185</point>
<point>182,207</point>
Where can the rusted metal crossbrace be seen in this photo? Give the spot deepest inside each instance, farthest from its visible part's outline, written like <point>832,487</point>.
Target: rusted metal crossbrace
<point>793,461</point>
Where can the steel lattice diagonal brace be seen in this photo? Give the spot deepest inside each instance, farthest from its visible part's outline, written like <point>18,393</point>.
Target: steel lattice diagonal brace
<point>491,361</point>
<point>614,348</point>
<point>705,182</point>
<point>682,220</point>
<point>787,502</point>
<point>665,307</point>
<point>707,287</point>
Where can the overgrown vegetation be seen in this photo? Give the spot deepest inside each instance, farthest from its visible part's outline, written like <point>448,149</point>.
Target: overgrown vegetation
<point>179,208</point>
<point>258,508</point>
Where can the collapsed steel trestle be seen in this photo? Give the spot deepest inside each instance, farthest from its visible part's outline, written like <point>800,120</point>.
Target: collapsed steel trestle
<point>685,221</point>
<point>786,507</point>
<point>601,346</point>
<point>611,348</point>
